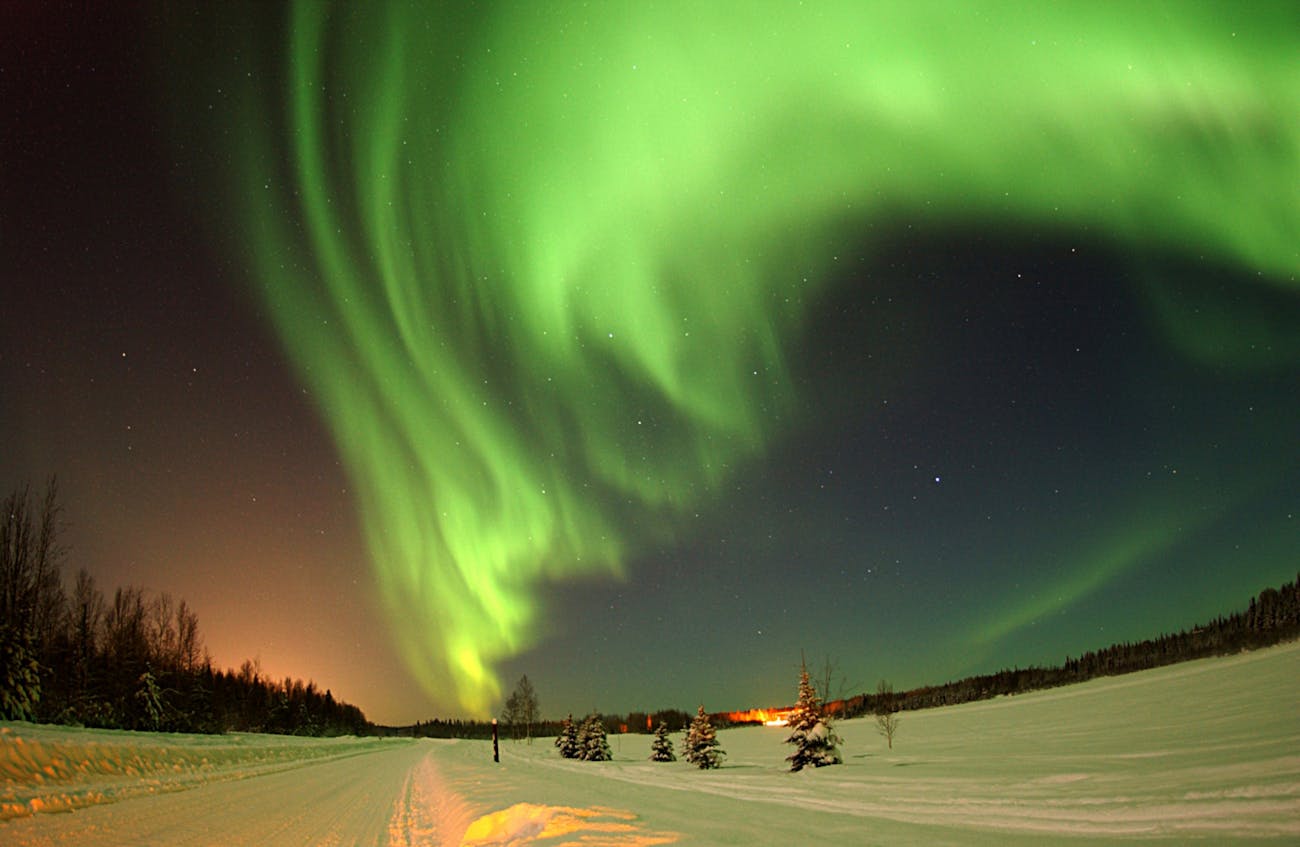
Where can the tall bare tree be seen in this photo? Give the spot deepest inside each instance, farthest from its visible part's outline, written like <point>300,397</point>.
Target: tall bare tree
<point>162,632</point>
<point>126,634</point>
<point>85,617</point>
<point>31,597</point>
<point>31,593</point>
<point>189,644</point>
<point>521,710</point>
<point>830,685</point>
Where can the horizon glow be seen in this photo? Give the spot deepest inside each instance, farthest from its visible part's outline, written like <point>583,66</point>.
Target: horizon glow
<point>542,269</point>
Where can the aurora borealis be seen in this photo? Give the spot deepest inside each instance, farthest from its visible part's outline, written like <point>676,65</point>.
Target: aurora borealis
<point>656,339</point>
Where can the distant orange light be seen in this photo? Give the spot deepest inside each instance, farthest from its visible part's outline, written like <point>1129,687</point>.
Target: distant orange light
<point>767,717</point>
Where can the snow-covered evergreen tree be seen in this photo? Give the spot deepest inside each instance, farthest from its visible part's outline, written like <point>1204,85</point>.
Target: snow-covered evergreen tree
<point>584,729</point>
<point>592,744</point>
<point>567,740</point>
<point>661,749</point>
<point>701,747</point>
<point>20,674</point>
<point>149,696</point>
<point>815,742</point>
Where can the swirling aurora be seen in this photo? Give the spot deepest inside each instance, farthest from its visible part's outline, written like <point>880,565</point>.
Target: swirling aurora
<point>545,267</point>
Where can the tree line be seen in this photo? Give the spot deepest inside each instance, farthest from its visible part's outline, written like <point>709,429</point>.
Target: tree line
<point>1271,617</point>
<point>69,654</point>
<point>635,722</point>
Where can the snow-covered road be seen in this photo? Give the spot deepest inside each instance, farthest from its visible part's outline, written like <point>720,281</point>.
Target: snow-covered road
<point>137,789</point>
<point>347,800</point>
<point>1206,751</point>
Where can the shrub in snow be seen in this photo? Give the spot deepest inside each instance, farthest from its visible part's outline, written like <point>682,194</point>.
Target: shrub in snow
<point>661,749</point>
<point>815,742</point>
<point>592,745</point>
<point>567,740</point>
<point>701,745</point>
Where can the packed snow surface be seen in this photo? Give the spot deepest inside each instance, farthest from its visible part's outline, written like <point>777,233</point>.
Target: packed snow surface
<point>1206,751</point>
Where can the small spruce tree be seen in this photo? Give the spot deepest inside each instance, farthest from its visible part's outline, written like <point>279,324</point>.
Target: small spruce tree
<point>701,745</point>
<point>592,744</point>
<point>689,743</point>
<point>661,749</point>
<point>567,740</point>
<point>815,743</point>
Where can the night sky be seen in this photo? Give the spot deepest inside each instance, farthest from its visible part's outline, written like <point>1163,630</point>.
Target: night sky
<point>641,349</point>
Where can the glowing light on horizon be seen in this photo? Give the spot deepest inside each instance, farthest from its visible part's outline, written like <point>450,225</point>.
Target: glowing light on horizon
<point>767,717</point>
<point>541,269</point>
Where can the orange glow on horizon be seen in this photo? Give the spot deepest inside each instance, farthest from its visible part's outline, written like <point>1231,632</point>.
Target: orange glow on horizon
<point>767,717</point>
<point>775,716</point>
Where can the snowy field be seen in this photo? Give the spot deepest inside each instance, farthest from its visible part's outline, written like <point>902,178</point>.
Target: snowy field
<point>1205,752</point>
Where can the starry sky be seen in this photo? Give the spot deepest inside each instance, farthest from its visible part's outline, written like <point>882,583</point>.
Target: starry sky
<point>419,347</point>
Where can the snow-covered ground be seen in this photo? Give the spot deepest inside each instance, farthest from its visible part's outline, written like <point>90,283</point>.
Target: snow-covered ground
<point>1206,751</point>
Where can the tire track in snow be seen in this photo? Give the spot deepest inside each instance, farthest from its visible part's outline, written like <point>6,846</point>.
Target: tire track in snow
<point>429,813</point>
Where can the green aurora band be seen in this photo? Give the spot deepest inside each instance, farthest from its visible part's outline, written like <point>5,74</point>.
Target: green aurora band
<point>542,268</point>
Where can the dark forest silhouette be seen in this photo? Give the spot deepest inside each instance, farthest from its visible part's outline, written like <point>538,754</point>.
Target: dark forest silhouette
<point>135,661</point>
<point>1271,617</point>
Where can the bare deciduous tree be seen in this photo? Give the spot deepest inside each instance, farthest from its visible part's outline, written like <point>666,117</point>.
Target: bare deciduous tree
<point>85,619</point>
<point>162,631</point>
<point>31,594</point>
<point>31,598</point>
<point>528,711</point>
<point>126,635</point>
<point>886,712</point>
<point>521,710</point>
<point>189,644</point>
<point>831,685</point>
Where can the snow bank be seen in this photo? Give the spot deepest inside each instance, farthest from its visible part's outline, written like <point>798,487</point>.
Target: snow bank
<point>46,768</point>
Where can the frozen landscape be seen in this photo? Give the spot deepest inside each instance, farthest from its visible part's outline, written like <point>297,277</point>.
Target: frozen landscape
<point>1204,751</point>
